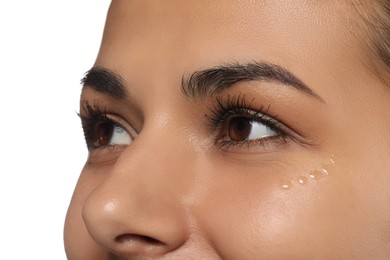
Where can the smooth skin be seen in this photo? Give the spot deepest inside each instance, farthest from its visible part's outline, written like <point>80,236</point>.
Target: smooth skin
<point>174,192</point>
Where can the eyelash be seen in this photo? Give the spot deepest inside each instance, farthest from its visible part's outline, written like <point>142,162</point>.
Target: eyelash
<point>222,111</point>
<point>94,117</point>
<point>237,106</point>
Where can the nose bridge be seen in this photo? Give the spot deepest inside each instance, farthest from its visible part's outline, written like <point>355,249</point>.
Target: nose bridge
<point>157,162</point>
<point>141,199</point>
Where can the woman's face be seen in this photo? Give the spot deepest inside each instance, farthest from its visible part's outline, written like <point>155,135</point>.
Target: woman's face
<point>233,130</point>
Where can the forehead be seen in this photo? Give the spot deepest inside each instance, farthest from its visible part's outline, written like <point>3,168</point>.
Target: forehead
<point>188,22</point>
<point>176,36</point>
<point>231,19</point>
<point>214,14</point>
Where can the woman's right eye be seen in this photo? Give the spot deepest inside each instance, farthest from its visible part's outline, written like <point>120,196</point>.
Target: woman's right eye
<point>102,130</point>
<point>109,134</point>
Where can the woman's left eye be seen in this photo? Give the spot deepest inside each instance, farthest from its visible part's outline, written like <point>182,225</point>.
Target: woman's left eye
<point>240,129</point>
<point>243,129</point>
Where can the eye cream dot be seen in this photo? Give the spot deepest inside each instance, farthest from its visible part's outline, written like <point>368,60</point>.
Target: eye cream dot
<point>315,175</point>
<point>302,180</point>
<point>328,169</point>
<point>286,185</point>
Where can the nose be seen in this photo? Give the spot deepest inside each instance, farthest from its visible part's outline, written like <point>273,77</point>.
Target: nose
<point>137,210</point>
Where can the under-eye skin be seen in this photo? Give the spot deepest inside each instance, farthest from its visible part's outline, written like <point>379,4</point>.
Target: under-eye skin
<point>103,130</point>
<point>237,124</point>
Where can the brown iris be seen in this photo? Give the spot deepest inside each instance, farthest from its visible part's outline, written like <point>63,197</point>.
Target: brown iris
<point>103,134</point>
<point>239,129</point>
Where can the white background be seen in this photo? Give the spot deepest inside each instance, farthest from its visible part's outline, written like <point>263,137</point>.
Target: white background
<point>45,48</point>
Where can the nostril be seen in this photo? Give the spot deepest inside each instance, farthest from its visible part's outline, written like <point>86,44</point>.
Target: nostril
<point>138,239</point>
<point>130,244</point>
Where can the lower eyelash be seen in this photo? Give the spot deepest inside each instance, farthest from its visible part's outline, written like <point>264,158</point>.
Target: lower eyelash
<point>263,141</point>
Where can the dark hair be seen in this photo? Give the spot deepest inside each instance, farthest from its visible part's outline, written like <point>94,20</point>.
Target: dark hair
<point>383,28</point>
<point>376,20</point>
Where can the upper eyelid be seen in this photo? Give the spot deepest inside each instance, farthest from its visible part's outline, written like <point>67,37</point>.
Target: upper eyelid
<point>122,122</point>
<point>262,118</point>
<point>116,119</point>
<point>88,111</point>
<point>223,108</point>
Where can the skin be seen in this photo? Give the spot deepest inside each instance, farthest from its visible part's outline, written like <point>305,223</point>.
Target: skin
<point>174,193</point>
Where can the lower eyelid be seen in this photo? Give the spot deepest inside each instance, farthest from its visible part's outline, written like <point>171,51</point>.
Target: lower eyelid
<point>105,155</point>
<point>266,144</point>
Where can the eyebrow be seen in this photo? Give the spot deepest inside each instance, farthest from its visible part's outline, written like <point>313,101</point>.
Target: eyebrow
<point>207,82</point>
<point>105,81</point>
<point>210,82</point>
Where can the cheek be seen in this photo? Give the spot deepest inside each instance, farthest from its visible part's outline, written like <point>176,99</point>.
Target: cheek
<point>249,211</point>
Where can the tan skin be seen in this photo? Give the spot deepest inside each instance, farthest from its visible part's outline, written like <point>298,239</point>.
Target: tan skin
<point>168,185</point>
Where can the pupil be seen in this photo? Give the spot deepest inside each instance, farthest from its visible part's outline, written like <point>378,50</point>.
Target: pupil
<point>104,134</point>
<point>239,129</point>
<point>241,125</point>
<point>106,130</point>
